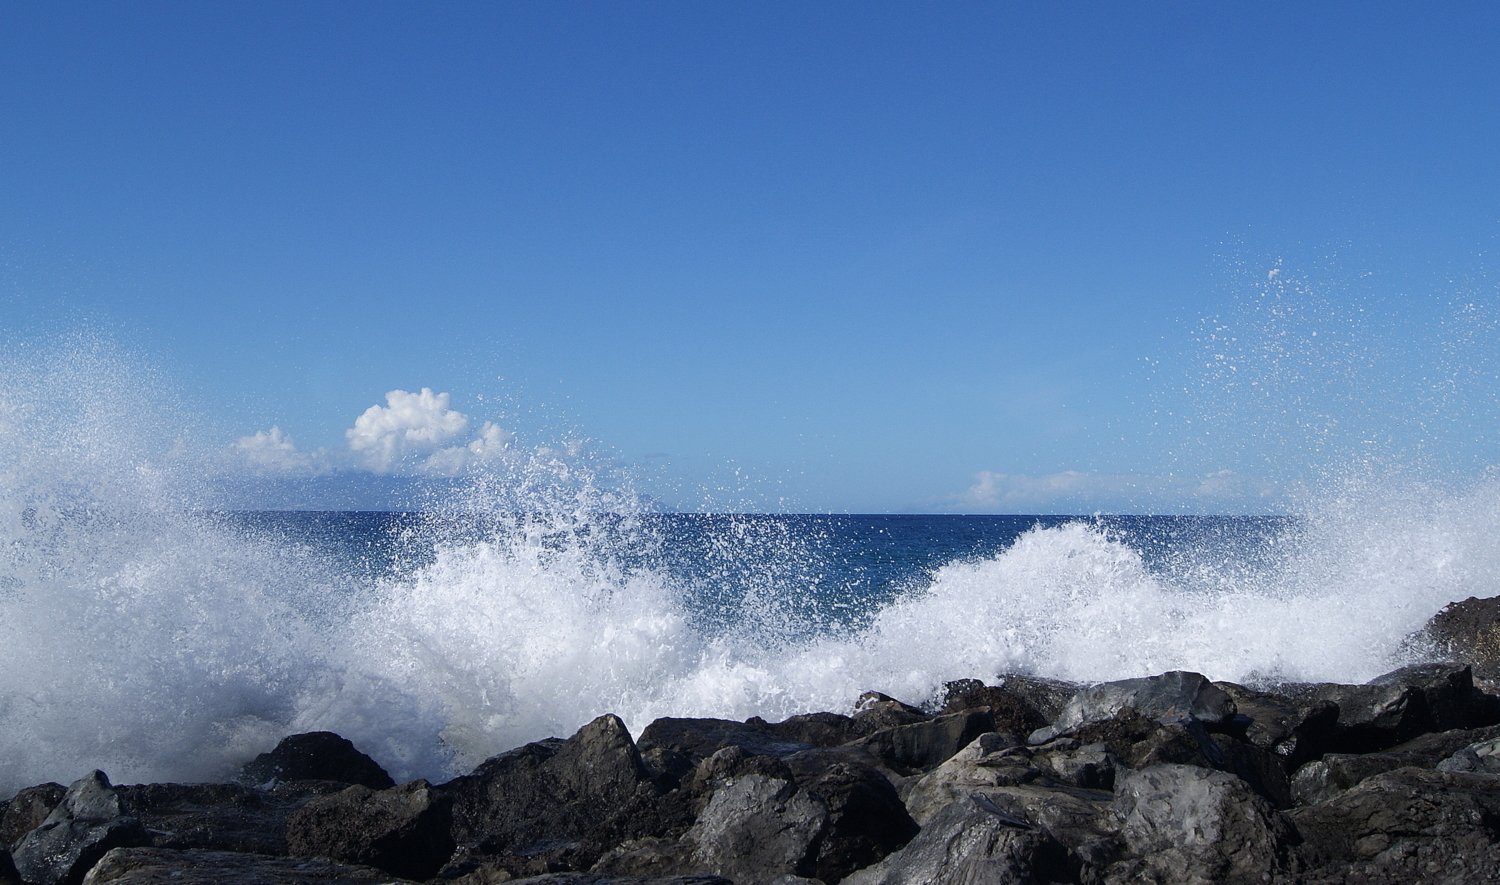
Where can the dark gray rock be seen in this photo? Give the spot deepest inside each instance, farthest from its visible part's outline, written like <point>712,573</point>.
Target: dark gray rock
<point>820,813</point>
<point>88,822</point>
<point>990,761</point>
<point>317,755</point>
<point>1295,729</point>
<point>971,840</point>
<point>865,818</point>
<point>596,879</point>
<point>1182,823</point>
<point>163,866</point>
<point>922,746</point>
<point>219,817</point>
<point>1392,708</point>
<point>1407,825</point>
<point>1171,696</point>
<point>1007,778</point>
<point>559,804</point>
<point>697,739</point>
<point>1047,696</point>
<point>1013,706</point>
<point>818,729</point>
<point>1324,778</point>
<point>1468,631</point>
<point>1448,695</point>
<point>649,856</point>
<point>756,828</point>
<point>27,810</point>
<point>403,830</point>
<point>1481,758</point>
<point>884,711</point>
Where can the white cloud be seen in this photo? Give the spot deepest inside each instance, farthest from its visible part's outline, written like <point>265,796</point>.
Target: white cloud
<point>1003,491</point>
<point>412,434</point>
<point>491,446</point>
<point>273,452</point>
<point>407,427</point>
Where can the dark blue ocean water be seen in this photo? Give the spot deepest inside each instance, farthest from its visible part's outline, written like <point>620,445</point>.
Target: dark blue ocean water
<point>830,570</point>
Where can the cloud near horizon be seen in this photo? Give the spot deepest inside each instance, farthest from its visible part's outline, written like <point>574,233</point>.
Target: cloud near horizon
<point>416,434</point>
<point>1078,491</point>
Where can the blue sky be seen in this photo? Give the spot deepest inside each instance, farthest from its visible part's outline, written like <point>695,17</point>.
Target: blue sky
<point>847,257</point>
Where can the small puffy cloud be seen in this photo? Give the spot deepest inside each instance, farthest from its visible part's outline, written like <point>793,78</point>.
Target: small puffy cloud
<point>409,426</point>
<point>413,434</point>
<point>273,452</point>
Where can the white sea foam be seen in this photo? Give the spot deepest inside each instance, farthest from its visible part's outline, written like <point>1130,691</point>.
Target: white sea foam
<point>140,636</point>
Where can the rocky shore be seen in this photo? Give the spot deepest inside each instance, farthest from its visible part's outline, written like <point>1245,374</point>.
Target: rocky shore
<point>1169,778</point>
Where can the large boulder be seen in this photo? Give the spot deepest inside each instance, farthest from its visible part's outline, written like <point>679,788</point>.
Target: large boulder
<point>1182,823</point>
<point>1407,825</point>
<point>1392,708</point>
<point>164,866</point>
<point>317,755</point>
<point>698,739</point>
<point>883,711</point>
<point>1011,782</point>
<point>1468,631</point>
<point>971,840</point>
<point>865,818</point>
<point>1019,705</point>
<point>817,729</point>
<point>1482,757</point>
<point>1170,696</point>
<point>26,811</point>
<point>558,802</point>
<point>1294,728</point>
<point>820,813</point>
<point>88,822</point>
<point>758,828</point>
<point>220,817</point>
<point>1333,773</point>
<point>921,746</point>
<point>403,830</point>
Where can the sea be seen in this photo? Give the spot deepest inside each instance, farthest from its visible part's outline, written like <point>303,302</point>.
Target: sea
<point>148,633</point>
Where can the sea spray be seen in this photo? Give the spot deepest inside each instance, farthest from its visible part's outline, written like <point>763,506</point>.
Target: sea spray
<point>143,633</point>
<point>139,635</point>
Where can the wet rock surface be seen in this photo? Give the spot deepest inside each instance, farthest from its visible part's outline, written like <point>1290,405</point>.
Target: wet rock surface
<point>1170,778</point>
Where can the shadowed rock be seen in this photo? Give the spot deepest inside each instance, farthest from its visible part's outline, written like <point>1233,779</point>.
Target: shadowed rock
<point>27,810</point>
<point>219,817</point>
<point>1324,778</point>
<point>922,746</point>
<point>403,830</point>
<point>558,802</point>
<point>88,822</point>
<point>1012,711</point>
<point>317,755</point>
<point>972,840</point>
<point>697,739</point>
<point>1468,631</point>
<point>163,866</point>
<point>884,711</point>
<point>1406,825</point>
<point>1481,758</point>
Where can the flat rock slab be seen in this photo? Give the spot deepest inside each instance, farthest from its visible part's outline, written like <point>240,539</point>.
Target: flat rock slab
<point>163,866</point>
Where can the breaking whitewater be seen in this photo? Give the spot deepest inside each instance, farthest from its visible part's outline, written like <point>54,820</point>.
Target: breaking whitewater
<point>146,633</point>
